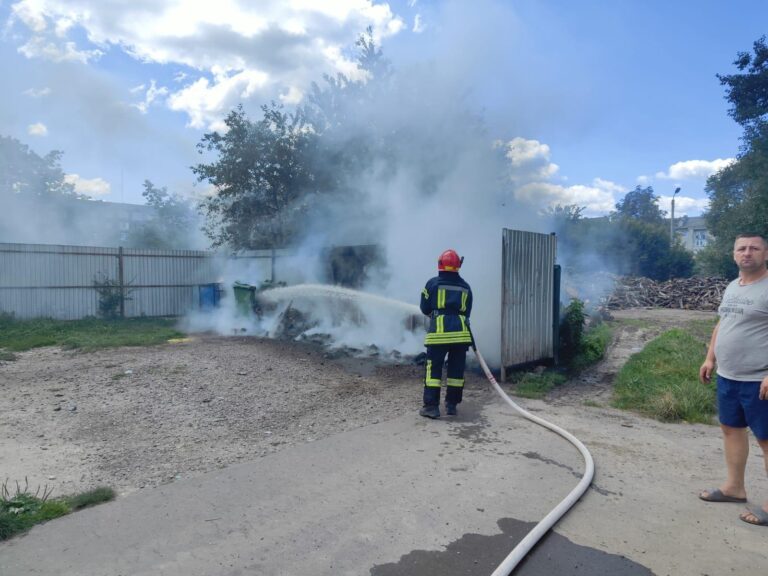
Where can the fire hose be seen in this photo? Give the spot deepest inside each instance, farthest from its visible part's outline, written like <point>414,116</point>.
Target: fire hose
<point>524,546</point>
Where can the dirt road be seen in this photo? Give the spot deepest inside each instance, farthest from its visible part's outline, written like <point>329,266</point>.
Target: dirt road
<point>137,417</point>
<point>134,418</point>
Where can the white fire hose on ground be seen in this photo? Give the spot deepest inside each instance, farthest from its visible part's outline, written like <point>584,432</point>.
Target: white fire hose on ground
<point>524,546</point>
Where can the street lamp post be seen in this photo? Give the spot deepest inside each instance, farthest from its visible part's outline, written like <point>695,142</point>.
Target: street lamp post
<point>672,220</point>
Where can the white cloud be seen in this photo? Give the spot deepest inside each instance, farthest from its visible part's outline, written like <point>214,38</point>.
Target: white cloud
<point>152,94</point>
<point>598,199</point>
<point>644,180</point>
<point>31,14</point>
<point>684,205</point>
<point>57,52</point>
<point>529,160</point>
<point>89,187</point>
<point>37,129</point>
<point>292,96</point>
<point>207,102</point>
<point>695,169</point>
<point>233,49</point>
<point>418,25</point>
<point>37,93</point>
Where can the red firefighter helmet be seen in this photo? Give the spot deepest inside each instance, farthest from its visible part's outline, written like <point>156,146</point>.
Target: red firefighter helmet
<point>449,261</point>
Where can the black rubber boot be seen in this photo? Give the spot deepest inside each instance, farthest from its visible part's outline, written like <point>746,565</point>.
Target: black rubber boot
<point>431,407</point>
<point>430,412</point>
<point>453,396</point>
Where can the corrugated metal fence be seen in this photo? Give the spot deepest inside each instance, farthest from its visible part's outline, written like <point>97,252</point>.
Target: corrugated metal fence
<point>528,294</point>
<point>39,280</point>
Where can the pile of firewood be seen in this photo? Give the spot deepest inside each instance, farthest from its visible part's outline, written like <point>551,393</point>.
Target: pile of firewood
<point>685,293</point>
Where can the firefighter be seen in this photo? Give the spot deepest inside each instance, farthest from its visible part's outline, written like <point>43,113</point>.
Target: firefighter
<point>447,300</point>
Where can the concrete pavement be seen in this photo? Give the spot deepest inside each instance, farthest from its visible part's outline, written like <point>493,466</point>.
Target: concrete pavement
<point>419,497</point>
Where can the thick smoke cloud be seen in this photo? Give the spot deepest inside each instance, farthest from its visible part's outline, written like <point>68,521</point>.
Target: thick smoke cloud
<point>436,181</point>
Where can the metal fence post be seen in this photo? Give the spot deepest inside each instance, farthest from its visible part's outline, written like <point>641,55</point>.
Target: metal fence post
<point>120,280</point>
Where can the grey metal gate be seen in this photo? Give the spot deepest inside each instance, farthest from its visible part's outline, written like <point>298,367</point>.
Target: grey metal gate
<point>528,295</point>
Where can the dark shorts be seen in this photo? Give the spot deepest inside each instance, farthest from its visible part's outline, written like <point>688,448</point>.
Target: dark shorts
<point>739,406</point>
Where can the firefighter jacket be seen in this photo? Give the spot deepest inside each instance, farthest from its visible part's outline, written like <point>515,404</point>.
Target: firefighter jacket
<point>447,300</point>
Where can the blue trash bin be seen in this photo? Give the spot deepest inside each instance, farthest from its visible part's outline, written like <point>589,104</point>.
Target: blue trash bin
<point>208,296</point>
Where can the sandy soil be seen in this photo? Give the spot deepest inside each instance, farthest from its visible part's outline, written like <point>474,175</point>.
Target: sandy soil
<point>137,417</point>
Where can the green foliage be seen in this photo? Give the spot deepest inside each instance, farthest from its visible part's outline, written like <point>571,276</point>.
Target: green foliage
<point>112,296</point>
<point>90,498</point>
<point>25,173</point>
<point>261,175</point>
<point>748,91</point>
<point>536,385</point>
<point>174,221</point>
<point>662,380</point>
<point>571,330</point>
<point>579,347</point>
<point>272,173</point>
<point>738,194</point>
<point>85,334</point>
<point>640,204</point>
<point>633,241</point>
<point>21,509</point>
<point>6,356</point>
<point>594,343</point>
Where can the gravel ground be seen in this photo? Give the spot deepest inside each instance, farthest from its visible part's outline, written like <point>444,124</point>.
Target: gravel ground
<point>130,418</point>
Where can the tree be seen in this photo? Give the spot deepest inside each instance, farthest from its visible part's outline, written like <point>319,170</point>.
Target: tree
<point>25,173</point>
<point>738,194</point>
<point>261,175</point>
<point>173,224</point>
<point>747,92</point>
<point>38,203</point>
<point>643,238</point>
<point>642,204</point>
<point>267,174</point>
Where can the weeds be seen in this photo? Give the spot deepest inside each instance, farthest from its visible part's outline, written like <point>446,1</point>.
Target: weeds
<point>112,296</point>
<point>6,356</point>
<point>536,385</point>
<point>20,509</point>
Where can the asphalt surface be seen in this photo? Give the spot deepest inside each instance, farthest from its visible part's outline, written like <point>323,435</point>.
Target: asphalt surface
<point>416,497</point>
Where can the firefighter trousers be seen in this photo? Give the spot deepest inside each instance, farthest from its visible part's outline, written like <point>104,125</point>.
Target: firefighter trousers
<point>436,357</point>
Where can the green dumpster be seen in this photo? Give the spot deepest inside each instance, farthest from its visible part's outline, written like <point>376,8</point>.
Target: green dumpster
<point>245,298</point>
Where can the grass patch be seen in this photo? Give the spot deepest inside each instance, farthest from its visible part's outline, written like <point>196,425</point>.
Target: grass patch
<point>592,347</point>
<point>533,385</point>
<point>20,509</point>
<point>6,356</point>
<point>90,498</point>
<point>85,334</point>
<point>662,381</point>
<point>701,329</point>
<point>636,322</point>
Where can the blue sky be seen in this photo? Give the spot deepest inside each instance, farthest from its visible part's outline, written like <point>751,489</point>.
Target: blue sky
<point>590,98</point>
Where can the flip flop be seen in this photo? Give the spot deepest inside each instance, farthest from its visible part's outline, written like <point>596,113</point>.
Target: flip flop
<point>716,495</point>
<point>757,512</point>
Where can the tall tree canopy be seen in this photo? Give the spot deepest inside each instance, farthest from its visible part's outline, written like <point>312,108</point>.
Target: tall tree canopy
<point>25,173</point>
<point>738,194</point>
<point>633,240</point>
<point>260,176</point>
<point>174,223</point>
<point>268,173</point>
<point>641,204</point>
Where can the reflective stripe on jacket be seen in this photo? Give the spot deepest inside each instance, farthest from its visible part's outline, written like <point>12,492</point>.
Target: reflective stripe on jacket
<point>447,300</point>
